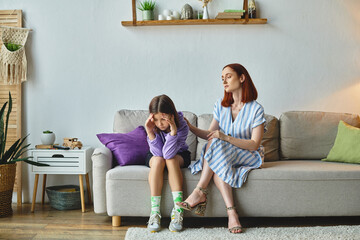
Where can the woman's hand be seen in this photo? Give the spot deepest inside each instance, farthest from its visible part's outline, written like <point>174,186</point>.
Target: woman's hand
<point>150,125</point>
<point>170,119</point>
<point>191,127</point>
<point>187,122</point>
<point>217,134</point>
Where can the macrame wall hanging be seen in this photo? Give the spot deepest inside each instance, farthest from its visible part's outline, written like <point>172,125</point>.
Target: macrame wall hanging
<point>13,65</point>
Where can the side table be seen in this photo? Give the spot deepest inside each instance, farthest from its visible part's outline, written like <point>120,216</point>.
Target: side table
<point>76,161</point>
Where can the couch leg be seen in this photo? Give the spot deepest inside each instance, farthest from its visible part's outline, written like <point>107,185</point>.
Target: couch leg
<point>116,221</point>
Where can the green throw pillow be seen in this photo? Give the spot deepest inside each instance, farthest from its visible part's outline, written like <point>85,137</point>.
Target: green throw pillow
<point>347,145</point>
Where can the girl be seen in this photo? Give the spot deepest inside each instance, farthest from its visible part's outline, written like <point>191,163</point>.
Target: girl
<point>233,147</point>
<point>166,134</point>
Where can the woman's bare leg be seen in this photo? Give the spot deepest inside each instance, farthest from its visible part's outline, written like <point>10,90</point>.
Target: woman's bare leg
<point>198,196</point>
<point>226,192</point>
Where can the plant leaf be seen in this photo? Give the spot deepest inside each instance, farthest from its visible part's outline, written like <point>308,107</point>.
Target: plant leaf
<point>26,159</point>
<point>19,159</point>
<point>18,147</point>
<point>22,151</point>
<point>10,151</point>
<point>2,141</point>
<point>36,163</point>
<point>7,118</point>
<point>146,5</point>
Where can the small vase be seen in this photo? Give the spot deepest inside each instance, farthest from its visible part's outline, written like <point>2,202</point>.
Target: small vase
<point>47,138</point>
<point>148,15</point>
<point>206,13</point>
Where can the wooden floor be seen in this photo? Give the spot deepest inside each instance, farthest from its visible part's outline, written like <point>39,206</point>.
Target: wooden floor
<point>49,223</point>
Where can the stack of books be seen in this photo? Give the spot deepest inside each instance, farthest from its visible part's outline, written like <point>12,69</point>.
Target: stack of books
<point>230,14</point>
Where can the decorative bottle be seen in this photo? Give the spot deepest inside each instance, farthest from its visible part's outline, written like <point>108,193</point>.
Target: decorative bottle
<point>252,9</point>
<point>206,13</point>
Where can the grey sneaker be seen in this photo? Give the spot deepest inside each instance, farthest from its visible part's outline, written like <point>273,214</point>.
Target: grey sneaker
<point>176,224</point>
<point>154,222</point>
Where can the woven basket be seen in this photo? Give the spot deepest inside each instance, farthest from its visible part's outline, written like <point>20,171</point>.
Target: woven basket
<point>62,199</point>
<point>7,179</point>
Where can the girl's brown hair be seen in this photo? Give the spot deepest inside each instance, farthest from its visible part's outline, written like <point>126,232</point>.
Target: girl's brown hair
<point>163,104</point>
<point>248,93</point>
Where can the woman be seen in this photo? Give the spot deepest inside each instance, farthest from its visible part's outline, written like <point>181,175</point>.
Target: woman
<point>166,134</point>
<point>233,147</point>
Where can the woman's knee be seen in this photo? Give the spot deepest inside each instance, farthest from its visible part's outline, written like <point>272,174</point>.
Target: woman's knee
<point>157,162</point>
<point>208,145</point>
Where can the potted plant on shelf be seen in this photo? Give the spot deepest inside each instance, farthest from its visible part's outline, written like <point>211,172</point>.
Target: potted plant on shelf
<point>8,159</point>
<point>147,7</point>
<point>47,137</point>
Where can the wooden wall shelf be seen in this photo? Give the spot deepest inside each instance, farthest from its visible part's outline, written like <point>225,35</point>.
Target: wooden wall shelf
<point>195,22</point>
<point>246,20</point>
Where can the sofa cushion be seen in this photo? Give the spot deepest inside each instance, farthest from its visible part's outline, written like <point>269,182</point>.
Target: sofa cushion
<point>347,145</point>
<point>310,135</point>
<point>127,120</point>
<point>127,148</point>
<point>301,170</point>
<point>280,189</point>
<point>306,170</point>
<point>270,140</point>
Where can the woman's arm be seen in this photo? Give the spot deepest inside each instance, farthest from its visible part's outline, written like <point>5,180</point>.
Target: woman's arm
<point>214,125</point>
<point>252,145</point>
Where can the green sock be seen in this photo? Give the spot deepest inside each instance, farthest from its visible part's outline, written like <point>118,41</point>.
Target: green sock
<point>178,197</point>
<point>155,204</point>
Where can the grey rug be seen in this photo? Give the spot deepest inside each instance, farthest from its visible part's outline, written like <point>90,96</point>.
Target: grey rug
<point>323,233</point>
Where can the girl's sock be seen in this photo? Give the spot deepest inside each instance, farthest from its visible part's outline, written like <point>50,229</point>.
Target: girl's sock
<point>155,204</point>
<point>178,197</point>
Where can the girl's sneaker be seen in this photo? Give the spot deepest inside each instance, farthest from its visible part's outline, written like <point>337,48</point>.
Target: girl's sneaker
<point>176,224</point>
<point>154,223</point>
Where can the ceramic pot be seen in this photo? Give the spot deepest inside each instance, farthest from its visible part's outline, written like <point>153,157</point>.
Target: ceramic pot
<point>47,138</point>
<point>148,15</point>
<point>7,179</point>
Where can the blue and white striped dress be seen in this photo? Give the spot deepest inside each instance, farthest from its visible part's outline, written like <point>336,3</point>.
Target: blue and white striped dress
<point>230,163</point>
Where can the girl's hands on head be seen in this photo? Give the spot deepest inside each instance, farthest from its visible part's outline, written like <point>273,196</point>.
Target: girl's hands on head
<point>170,119</point>
<point>217,134</point>
<point>149,124</point>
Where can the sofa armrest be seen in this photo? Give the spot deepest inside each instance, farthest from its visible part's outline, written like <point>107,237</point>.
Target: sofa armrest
<point>102,162</point>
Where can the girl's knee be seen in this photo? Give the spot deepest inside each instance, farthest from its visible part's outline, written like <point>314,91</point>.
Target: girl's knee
<point>173,163</point>
<point>157,162</point>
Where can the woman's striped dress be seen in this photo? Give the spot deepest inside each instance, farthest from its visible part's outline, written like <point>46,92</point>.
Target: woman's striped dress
<point>230,163</point>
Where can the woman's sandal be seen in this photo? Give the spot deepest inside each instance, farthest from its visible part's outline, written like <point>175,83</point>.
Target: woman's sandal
<point>200,207</point>
<point>234,229</point>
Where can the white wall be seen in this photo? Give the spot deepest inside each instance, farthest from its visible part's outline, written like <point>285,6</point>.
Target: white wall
<point>84,65</point>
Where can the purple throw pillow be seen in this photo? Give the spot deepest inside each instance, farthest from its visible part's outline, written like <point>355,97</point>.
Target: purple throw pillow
<point>127,148</point>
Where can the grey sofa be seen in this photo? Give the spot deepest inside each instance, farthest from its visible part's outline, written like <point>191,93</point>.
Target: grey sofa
<point>293,181</point>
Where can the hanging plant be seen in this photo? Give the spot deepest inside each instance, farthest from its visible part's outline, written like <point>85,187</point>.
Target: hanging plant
<point>12,47</point>
<point>13,64</point>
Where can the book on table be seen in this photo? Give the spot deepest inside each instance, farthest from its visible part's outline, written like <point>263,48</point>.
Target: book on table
<point>44,146</point>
